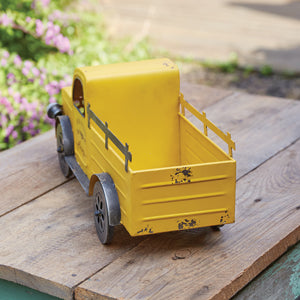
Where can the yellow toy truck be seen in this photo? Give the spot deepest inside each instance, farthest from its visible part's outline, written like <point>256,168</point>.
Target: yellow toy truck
<point>122,131</point>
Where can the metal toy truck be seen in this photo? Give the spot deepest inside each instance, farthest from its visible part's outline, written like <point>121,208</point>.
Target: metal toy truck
<point>122,131</point>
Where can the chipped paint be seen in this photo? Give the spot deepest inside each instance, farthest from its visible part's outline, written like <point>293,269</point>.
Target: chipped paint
<point>147,229</point>
<point>186,224</point>
<point>181,175</point>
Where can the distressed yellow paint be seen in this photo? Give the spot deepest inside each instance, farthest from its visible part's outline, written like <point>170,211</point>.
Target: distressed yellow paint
<point>178,178</point>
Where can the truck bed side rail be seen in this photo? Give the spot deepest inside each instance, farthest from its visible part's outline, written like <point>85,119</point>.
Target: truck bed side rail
<point>207,123</point>
<point>109,135</point>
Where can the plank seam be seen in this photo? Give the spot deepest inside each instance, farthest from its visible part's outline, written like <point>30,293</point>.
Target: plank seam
<point>94,273</point>
<point>270,256</point>
<point>36,197</point>
<point>266,160</point>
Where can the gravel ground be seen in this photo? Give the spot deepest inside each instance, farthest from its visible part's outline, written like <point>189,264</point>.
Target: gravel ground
<point>253,83</point>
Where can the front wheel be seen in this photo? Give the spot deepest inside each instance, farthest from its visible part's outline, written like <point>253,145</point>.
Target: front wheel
<point>104,230</point>
<point>65,169</point>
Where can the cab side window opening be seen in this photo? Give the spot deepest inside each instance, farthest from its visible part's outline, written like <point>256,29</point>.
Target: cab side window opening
<point>78,98</point>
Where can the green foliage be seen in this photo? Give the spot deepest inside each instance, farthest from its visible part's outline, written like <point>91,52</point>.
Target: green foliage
<point>40,46</point>
<point>229,66</point>
<point>266,70</point>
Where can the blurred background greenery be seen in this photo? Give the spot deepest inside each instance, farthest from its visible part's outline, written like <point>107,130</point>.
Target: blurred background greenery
<point>41,43</point>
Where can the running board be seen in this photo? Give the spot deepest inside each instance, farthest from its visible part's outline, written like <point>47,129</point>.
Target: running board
<point>78,172</point>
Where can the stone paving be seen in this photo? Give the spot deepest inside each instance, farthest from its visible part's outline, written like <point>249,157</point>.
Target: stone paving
<point>260,32</point>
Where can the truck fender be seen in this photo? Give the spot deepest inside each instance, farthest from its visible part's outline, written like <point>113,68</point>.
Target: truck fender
<point>68,140</point>
<point>111,196</point>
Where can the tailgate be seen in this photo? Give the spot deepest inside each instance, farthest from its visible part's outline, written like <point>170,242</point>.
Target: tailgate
<point>183,197</point>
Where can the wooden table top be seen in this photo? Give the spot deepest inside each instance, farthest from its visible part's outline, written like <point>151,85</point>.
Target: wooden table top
<point>49,243</point>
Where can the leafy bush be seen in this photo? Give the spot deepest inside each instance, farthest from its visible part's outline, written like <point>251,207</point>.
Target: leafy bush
<point>40,46</point>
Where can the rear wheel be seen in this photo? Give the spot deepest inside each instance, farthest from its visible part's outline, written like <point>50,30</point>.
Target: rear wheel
<point>104,230</point>
<point>67,172</point>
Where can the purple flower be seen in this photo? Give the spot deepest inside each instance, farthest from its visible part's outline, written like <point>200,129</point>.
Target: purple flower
<point>3,62</point>
<point>25,128</point>
<point>39,29</point>
<point>4,101</point>
<point>17,60</point>
<point>14,134</point>
<point>11,78</point>
<point>45,3</point>
<point>3,119</point>
<point>28,64</point>
<point>17,97</point>
<point>5,20</point>
<point>5,54</point>
<point>62,43</point>
<point>35,71</point>
<point>56,29</point>
<point>30,125</point>
<point>28,19</point>
<point>25,71</point>
<point>52,100</point>
<point>51,90</point>
<point>9,130</point>
<point>10,110</point>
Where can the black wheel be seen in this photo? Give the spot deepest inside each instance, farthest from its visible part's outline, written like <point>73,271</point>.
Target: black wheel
<point>104,230</point>
<point>67,172</point>
<point>217,227</point>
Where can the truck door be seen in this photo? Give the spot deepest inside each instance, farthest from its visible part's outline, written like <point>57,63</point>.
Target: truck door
<point>79,128</point>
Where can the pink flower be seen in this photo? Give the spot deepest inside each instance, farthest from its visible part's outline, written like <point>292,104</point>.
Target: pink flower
<point>56,29</point>
<point>52,100</point>
<point>3,119</point>
<point>11,79</point>
<point>25,71</point>
<point>3,62</point>
<point>5,20</point>
<point>45,3</point>
<point>28,19</point>
<point>10,110</point>
<point>39,29</point>
<point>10,91</point>
<point>14,134</point>
<point>9,130</point>
<point>5,54</point>
<point>17,60</point>
<point>28,64</point>
<point>35,71</point>
<point>17,97</point>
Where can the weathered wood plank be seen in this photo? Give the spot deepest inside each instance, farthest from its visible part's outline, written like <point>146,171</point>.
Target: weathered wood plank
<point>50,244</point>
<point>53,254</point>
<point>201,96</point>
<point>216,264</point>
<point>280,281</point>
<point>28,170</point>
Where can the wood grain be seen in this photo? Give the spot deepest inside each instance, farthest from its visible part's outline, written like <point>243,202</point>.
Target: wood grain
<point>277,282</point>
<point>216,264</point>
<point>51,245</point>
<point>28,171</point>
<point>201,96</point>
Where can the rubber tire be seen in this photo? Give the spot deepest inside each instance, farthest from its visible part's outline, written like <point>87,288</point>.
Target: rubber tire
<point>217,227</point>
<point>65,169</point>
<point>105,231</point>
